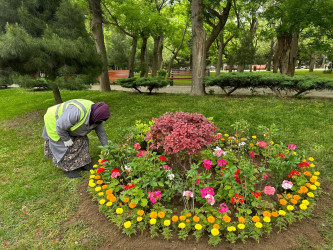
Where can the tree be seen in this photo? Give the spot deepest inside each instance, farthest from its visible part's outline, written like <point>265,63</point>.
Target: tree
<point>96,24</point>
<point>66,55</point>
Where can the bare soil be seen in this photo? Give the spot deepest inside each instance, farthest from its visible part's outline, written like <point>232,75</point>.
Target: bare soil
<point>306,230</point>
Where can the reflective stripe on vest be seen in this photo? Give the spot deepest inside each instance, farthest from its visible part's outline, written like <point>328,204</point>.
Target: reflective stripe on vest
<point>53,113</point>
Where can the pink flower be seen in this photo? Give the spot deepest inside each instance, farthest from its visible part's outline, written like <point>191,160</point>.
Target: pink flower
<point>187,194</point>
<point>207,163</point>
<point>221,162</point>
<point>269,190</point>
<point>262,144</point>
<point>265,176</point>
<point>115,173</point>
<point>287,184</point>
<point>252,154</point>
<point>153,196</point>
<point>198,180</point>
<point>223,208</point>
<point>219,153</point>
<point>206,190</point>
<point>210,199</point>
<point>166,167</point>
<point>141,153</point>
<point>136,146</point>
<point>292,146</point>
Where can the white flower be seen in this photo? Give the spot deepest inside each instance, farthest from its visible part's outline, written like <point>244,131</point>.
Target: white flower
<point>128,168</point>
<point>187,194</point>
<point>241,144</point>
<point>171,176</point>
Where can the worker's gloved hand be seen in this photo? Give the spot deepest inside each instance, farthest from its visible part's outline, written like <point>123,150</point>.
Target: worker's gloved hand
<point>68,143</point>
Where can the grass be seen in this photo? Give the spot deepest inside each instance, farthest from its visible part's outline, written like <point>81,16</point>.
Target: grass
<point>38,203</point>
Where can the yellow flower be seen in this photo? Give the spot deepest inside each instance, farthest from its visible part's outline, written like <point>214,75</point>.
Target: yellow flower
<point>95,166</point>
<point>295,153</point>
<point>167,223</point>
<point>306,202</point>
<point>310,194</point>
<point>92,176</point>
<point>312,165</point>
<point>303,206</point>
<point>92,171</point>
<point>311,159</point>
<point>198,227</point>
<point>290,207</point>
<point>139,218</point>
<point>317,183</point>
<point>119,210</point>
<point>313,187</point>
<point>215,232</point>
<point>100,194</point>
<point>267,219</point>
<point>102,201</point>
<point>282,212</point>
<point>127,224</point>
<point>182,225</point>
<point>109,204</point>
<point>231,229</point>
<point>226,135</point>
<point>97,189</point>
<point>152,221</point>
<point>316,173</point>
<point>254,137</point>
<point>92,184</point>
<point>241,226</point>
<point>272,142</point>
<point>258,224</point>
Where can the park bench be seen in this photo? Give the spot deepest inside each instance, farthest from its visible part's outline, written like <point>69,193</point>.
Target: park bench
<point>117,74</point>
<point>182,74</point>
<point>258,67</point>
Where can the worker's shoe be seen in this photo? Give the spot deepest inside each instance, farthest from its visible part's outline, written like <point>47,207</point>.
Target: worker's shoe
<point>72,174</point>
<point>86,167</point>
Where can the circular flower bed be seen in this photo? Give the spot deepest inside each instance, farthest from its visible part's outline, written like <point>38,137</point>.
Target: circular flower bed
<point>177,175</point>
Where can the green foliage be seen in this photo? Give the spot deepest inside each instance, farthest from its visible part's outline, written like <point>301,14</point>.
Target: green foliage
<point>150,83</point>
<point>276,82</point>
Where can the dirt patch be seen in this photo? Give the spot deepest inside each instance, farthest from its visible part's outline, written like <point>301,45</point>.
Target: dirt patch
<point>307,229</point>
<point>23,120</point>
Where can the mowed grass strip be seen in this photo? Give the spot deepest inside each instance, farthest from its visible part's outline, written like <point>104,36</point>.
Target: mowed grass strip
<point>38,203</point>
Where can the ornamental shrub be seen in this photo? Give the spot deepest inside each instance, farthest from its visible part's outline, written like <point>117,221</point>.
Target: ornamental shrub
<point>181,132</point>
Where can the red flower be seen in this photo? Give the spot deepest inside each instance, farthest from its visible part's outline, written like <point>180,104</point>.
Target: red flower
<point>104,160</point>
<point>137,146</point>
<point>303,164</point>
<point>281,156</point>
<point>292,173</point>
<point>162,158</point>
<point>256,194</point>
<point>129,186</point>
<point>237,198</point>
<point>115,173</point>
<point>100,170</point>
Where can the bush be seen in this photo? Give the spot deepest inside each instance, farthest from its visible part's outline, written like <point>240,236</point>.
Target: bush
<point>150,82</point>
<point>162,72</point>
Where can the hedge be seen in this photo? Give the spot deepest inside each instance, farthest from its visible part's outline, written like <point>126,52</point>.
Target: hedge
<point>150,82</point>
<point>276,82</point>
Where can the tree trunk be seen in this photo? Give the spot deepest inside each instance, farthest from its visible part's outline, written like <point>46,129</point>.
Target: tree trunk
<point>287,44</point>
<point>324,61</point>
<point>276,59</point>
<point>270,57</point>
<point>155,56</point>
<point>160,54</point>
<point>97,29</point>
<point>313,59</point>
<point>143,68</point>
<point>132,57</point>
<point>299,64</point>
<point>198,49</point>
<point>56,94</point>
<point>220,57</point>
<point>231,65</point>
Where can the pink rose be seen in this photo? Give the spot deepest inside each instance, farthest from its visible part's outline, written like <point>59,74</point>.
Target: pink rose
<point>287,184</point>
<point>221,162</point>
<point>269,190</point>
<point>292,146</point>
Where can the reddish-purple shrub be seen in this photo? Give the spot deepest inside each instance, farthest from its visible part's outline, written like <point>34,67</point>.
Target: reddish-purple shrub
<point>181,132</point>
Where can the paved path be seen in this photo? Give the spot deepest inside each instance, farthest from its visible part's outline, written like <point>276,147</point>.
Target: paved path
<point>186,89</point>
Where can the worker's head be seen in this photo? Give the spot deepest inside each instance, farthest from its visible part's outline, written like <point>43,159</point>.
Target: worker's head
<point>99,112</point>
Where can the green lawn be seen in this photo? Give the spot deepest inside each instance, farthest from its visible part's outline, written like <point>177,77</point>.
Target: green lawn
<point>38,203</point>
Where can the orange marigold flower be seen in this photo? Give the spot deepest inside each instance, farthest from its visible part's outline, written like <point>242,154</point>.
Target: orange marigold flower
<point>182,217</point>
<point>241,220</point>
<point>111,198</point>
<point>297,197</point>
<point>188,220</point>
<point>99,182</point>
<point>161,215</point>
<point>196,218</point>
<point>289,196</point>
<point>255,218</point>
<point>275,214</point>
<point>211,219</point>
<point>132,205</point>
<point>97,177</point>
<point>266,214</point>
<point>308,184</point>
<point>153,215</point>
<point>293,201</point>
<point>313,180</point>
<point>303,190</point>
<point>126,200</point>
<point>104,186</point>
<point>216,226</point>
<point>283,202</point>
<point>188,214</point>
<point>140,212</point>
<point>307,173</point>
<point>226,218</point>
<point>109,191</point>
<point>174,218</point>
